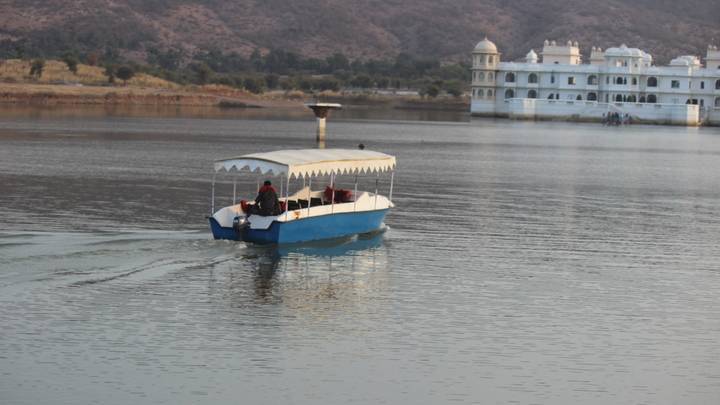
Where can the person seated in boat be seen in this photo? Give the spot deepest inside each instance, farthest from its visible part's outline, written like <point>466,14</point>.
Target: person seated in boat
<point>266,202</point>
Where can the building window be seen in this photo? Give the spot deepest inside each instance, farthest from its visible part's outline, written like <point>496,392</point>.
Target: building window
<point>607,80</point>
<point>491,77</point>
<point>481,93</point>
<point>510,78</point>
<point>551,96</point>
<point>592,80</point>
<point>552,78</point>
<point>509,93</point>
<point>675,84</point>
<point>490,93</point>
<point>532,94</point>
<point>702,85</point>
<point>619,80</point>
<point>717,84</point>
<point>652,99</point>
<point>481,76</point>
<point>571,80</point>
<point>592,97</point>
<point>652,82</point>
<point>634,81</point>
<point>717,102</point>
<point>642,99</point>
<point>631,99</point>
<point>490,59</point>
<point>578,98</point>
<point>619,98</point>
<point>532,79</point>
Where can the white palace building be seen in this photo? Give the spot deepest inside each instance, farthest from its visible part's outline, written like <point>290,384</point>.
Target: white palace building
<point>623,80</point>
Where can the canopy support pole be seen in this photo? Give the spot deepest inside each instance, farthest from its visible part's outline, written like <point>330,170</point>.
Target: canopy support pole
<point>281,187</point>
<point>212,199</point>
<point>234,190</point>
<point>355,196</point>
<point>287,197</point>
<point>332,198</point>
<point>377,179</point>
<point>392,180</point>
<point>309,199</point>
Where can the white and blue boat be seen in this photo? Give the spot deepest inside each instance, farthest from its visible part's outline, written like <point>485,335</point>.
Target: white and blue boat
<point>308,214</point>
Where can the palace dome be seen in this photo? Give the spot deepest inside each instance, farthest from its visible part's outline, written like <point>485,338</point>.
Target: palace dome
<point>486,46</point>
<point>531,57</point>
<point>623,50</point>
<point>686,60</point>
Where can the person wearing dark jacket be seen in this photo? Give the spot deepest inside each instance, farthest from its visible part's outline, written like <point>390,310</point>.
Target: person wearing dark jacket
<point>266,202</point>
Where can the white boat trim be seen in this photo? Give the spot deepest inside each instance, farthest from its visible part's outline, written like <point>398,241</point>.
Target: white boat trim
<point>310,162</point>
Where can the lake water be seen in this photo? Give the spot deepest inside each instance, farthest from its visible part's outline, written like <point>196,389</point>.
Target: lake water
<point>530,263</point>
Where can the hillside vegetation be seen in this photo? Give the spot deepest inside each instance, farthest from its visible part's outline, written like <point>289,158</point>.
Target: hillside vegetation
<point>57,72</point>
<point>364,29</point>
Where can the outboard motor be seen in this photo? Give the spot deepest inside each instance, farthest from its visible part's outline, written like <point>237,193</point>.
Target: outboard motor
<point>239,223</point>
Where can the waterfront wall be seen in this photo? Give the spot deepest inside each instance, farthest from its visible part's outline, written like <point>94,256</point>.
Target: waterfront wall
<point>713,117</point>
<point>572,110</point>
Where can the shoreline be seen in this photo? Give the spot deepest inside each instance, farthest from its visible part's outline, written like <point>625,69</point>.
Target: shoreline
<point>44,94</point>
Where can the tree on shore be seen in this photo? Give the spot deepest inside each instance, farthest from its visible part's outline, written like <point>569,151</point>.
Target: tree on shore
<point>125,73</point>
<point>110,73</point>
<point>203,72</point>
<point>72,62</point>
<point>36,68</point>
<point>432,91</point>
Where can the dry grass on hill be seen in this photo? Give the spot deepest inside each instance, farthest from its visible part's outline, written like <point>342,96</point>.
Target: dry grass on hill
<point>56,72</point>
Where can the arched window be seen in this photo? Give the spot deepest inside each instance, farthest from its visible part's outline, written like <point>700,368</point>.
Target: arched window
<point>510,78</point>
<point>717,102</point>
<point>551,96</point>
<point>491,76</point>
<point>652,98</point>
<point>618,80</point>
<point>532,78</point>
<point>619,98</point>
<point>480,93</point>
<point>490,59</point>
<point>481,76</point>
<point>578,98</point>
<point>490,93</point>
<point>631,99</point>
<point>532,94</point>
<point>652,82</point>
<point>642,99</point>
<point>592,97</point>
<point>634,81</point>
<point>717,85</point>
<point>509,93</point>
<point>592,80</point>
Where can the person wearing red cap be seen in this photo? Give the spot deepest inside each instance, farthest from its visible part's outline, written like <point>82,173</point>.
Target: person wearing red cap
<point>266,202</point>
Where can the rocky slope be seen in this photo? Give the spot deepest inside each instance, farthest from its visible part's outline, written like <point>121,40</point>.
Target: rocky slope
<point>446,29</point>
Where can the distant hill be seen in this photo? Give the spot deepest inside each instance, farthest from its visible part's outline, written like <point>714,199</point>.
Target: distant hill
<point>446,29</point>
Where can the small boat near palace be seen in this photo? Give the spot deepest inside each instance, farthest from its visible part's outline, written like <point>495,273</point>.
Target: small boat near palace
<point>306,214</point>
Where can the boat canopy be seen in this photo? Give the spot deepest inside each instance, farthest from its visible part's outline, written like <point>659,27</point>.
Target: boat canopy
<point>310,162</point>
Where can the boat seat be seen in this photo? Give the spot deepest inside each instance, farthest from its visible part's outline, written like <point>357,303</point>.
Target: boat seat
<point>302,203</point>
<point>292,205</point>
<point>315,201</point>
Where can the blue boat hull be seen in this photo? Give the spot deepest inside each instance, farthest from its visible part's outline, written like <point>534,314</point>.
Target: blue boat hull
<point>306,229</point>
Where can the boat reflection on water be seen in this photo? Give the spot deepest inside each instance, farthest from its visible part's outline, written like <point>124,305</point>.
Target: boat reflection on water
<point>330,268</point>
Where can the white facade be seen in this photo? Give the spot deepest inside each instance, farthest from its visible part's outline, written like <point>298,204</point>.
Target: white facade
<point>621,79</point>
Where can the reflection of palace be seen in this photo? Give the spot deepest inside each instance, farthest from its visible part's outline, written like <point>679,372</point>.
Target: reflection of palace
<point>618,80</point>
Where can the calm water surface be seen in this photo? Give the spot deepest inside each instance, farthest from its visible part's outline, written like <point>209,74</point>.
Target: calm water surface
<point>525,263</point>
